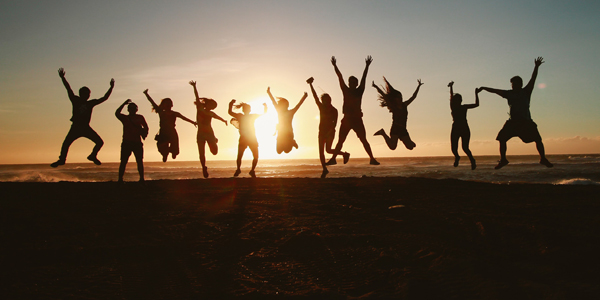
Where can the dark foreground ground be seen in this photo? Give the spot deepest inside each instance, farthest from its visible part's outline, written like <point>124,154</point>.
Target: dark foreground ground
<point>299,239</point>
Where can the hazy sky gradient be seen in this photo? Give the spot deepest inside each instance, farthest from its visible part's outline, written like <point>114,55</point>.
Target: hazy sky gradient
<point>236,49</point>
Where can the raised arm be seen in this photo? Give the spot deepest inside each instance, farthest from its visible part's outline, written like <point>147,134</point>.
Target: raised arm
<point>377,88</point>
<point>368,62</point>
<point>414,96</point>
<point>271,96</point>
<point>118,111</point>
<point>492,90</point>
<point>314,93</point>
<point>476,100</point>
<point>451,91</point>
<point>193,83</point>
<point>110,89</point>
<point>538,61</point>
<point>338,73</point>
<point>265,110</point>
<point>156,108</point>
<point>61,73</point>
<point>300,103</point>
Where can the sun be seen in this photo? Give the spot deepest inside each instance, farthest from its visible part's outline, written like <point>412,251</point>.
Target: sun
<point>265,127</point>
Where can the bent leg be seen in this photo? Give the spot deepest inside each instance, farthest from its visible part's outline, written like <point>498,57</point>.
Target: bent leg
<point>73,134</point>
<point>344,130</point>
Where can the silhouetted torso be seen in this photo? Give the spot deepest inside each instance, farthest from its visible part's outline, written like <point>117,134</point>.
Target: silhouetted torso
<point>459,114</point>
<point>399,115</point>
<point>352,101</point>
<point>132,127</point>
<point>328,116</point>
<point>518,101</point>
<point>82,110</point>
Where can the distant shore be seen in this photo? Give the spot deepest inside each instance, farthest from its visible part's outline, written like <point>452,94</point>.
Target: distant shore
<point>337,238</point>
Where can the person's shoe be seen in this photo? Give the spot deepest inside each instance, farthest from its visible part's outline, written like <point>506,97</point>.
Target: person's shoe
<point>380,132</point>
<point>205,172</point>
<point>346,157</point>
<point>295,144</point>
<point>324,174</point>
<point>501,163</point>
<point>456,160</point>
<point>473,165</point>
<point>374,162</point>
<point>237,173</point>
<point>544,161</point>
<point>165,156</point>
<point>57,163</point>
<point>173,155</point>
<point>331,162</point>
<point>252,174</point>
<point>94,160</point>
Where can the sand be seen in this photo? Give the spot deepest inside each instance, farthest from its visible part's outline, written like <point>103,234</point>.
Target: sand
<point>352,238</point>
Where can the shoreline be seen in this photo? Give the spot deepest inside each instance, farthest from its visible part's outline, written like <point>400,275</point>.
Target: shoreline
<point>300,238</point>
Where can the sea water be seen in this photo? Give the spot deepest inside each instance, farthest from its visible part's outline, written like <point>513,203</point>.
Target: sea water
<point>568,169</point>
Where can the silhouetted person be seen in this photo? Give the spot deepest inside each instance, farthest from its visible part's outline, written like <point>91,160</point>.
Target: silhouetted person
<point>520,123</point>
<point>328,116</point>
<point>82,114</point>
<point>167,139</point>
<point>245,122</point>
<point>285,132</point>
<point>204,116</point>
<point>460,127</point>
<point>135,129</point>
<point>392,99</point>
<point>351,109</point>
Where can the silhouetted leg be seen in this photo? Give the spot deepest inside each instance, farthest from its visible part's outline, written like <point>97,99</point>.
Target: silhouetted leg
<point>503,161</point>
<point>139,160</point>
<point>92,135</point>
<point>543,160</point>
<point>254,150</point>
<point>465,146</point>
<point>214,148</point>
<point>344,130</point>
<point>125,153</point>
<point>362,136</point>
<point>163,149</point>
<point>454,136</point>
<point>238,161</point>
<point>72,135</point>
<point>202,155</point>
<point>174,147</point>
<point>322,145</point>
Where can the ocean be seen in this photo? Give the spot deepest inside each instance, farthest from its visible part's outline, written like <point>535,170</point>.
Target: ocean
<point>568,169</point>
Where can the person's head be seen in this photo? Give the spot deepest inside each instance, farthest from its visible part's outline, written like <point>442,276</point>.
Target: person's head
<point>455,101</point>
<point>132,108</point>
<point>283,103</point>
<point>84,93</point>
<point>352,82</point>
<point>517,83</point>
<point>390,97</point>
<point>245,107</point>
<point>166,104</point>
<point>326,99</point>
<point>210,104</point>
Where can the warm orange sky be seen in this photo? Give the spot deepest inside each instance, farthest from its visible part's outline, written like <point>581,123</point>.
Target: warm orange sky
<point>236,49</point>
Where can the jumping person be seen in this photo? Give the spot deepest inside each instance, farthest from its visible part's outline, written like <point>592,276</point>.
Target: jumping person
<point>167,140</point>
<point>135,129</point>
<point>204,116</point>
<point>460,127</point>
<point>82,114</point>
<point>520,123</point>
<point>392,99</point>
<point>328,116</point>
<point>285,132</point>
<point>351,109</point>
<point>248,139</point>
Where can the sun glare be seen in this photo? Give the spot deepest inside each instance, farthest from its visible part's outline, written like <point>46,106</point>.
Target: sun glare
<point>265,127</point>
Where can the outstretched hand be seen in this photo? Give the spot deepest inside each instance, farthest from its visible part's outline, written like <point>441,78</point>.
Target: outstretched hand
<point>127,101</point>
<point>146,91</point>
<point>368,60</point>
<point>477,90</point>
<point>451,84</point>
<point>232,102</point>
<point>538,61</point>
<point>373,84</point>
<point>333,61</point>
<point>61,73</point>
<point>192,83</point>
<point>112,82</point>
<point>419,81</point>
<point>310,80</point>
<point>268,90</point>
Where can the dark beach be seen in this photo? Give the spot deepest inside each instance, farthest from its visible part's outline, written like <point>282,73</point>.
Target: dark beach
<point>294,238</point>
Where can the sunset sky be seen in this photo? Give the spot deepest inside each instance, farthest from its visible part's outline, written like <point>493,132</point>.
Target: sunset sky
<point>236,49</point>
